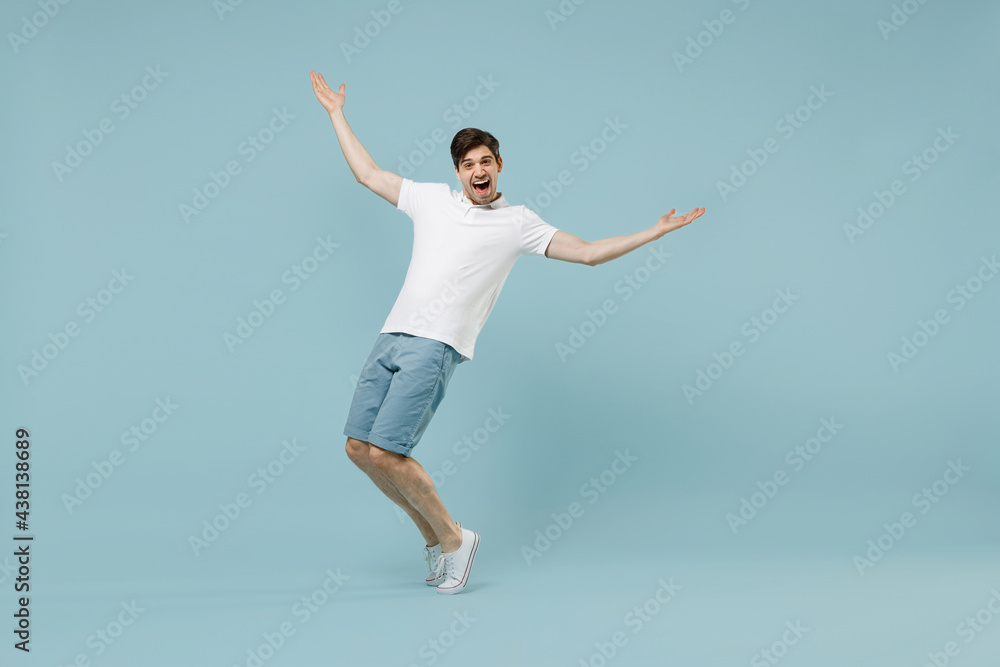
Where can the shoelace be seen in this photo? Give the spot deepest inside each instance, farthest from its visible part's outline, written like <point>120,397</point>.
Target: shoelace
<point>442,566</point>
<point>427,557</point>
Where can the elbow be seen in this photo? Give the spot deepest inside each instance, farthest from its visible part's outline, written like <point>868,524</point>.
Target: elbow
<point>590,258</point>
<point>364,177</point>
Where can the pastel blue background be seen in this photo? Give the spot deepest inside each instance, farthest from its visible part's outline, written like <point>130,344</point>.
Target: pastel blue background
<point>665,517</point>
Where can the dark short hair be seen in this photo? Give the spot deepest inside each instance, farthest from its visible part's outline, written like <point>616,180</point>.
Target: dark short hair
<point>469,138</point>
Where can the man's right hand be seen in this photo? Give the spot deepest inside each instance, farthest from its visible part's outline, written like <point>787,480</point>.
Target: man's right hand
<point>330,100</point>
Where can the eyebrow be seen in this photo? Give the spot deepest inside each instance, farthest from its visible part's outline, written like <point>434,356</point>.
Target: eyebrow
<point>485,157</point>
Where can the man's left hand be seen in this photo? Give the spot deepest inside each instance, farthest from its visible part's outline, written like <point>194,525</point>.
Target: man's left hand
<point>670,222</point>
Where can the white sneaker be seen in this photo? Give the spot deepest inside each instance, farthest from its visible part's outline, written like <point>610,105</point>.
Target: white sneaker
<point>431,554</point>
<point>456,566</point>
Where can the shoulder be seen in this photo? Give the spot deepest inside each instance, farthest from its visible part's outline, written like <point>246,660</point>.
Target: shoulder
<point>413,194</point>
<point>527,216</point>
<point>427,186</point>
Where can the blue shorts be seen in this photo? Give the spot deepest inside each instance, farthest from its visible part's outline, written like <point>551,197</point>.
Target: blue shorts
<point>401,385</point>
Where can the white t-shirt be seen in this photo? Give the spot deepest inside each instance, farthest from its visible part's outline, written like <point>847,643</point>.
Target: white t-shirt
<point>462,254</point>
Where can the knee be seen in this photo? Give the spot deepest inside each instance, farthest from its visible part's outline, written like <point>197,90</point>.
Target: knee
<point>382,458</point>
<point>357,450</point>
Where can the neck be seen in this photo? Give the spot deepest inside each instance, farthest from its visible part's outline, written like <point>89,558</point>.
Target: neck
<point>496,196</point>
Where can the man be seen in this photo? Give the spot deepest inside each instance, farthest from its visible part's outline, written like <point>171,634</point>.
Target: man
<point>464,245</point>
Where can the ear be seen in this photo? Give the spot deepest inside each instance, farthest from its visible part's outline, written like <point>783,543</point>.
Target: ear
<point>499,164</point>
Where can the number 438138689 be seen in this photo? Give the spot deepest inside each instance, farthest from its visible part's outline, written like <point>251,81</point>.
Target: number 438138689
<point>22,479</point>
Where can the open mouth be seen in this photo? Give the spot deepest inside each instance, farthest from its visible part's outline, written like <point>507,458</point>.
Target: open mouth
<point>481,187</point>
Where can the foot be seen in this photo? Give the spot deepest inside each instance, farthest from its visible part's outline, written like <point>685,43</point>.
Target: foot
<point>431,554</point>
<point>456,566</point>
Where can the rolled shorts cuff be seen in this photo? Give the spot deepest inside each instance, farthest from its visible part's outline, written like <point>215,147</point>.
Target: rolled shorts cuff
<point>377,440</point>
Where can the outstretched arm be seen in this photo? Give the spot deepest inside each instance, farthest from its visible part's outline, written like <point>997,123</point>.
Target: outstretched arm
<point>570,248</point>
<point>383,183</point>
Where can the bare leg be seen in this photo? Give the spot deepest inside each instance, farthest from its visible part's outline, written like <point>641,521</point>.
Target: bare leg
<point>411,480</point>
<point>358,451</point>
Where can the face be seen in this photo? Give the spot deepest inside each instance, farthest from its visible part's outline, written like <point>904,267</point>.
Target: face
<point>475,166</point>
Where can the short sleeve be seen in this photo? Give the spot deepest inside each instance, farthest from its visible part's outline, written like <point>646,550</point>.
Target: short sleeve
<point>409,198</point>
<point>535,233</point>
<point>415,197</point>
